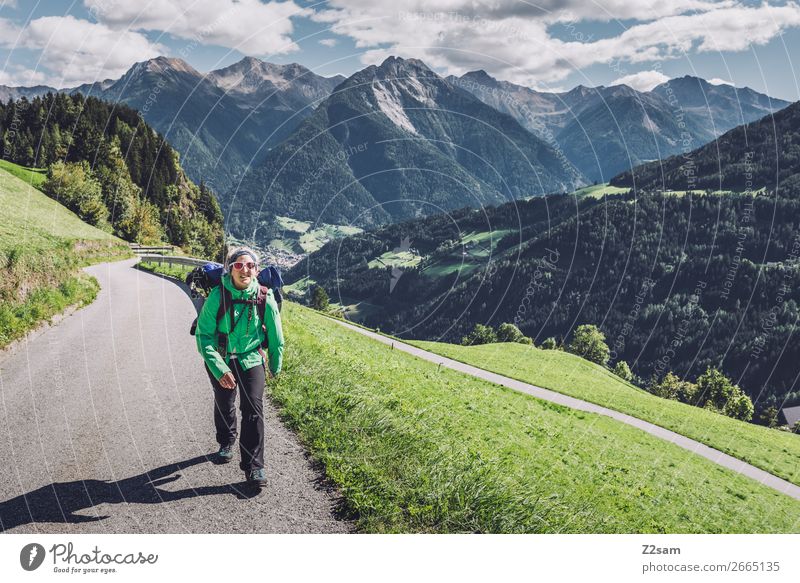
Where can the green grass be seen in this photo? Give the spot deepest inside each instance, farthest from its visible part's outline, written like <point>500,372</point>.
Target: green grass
<point>44,302</point>
<point>293,224</point>
<point>176,271</point>
<point>486,238</point>
<point>33,176</point>
<point>31,218</point>
<point>314,239</point>
<point>353,310</point>
<point>300,237</point>
<point>775,451</point>
<point>42,248</point>
<point>478,247</point>
<point>598,190</point>
<point>300,287</point>
<point>416,449</point>
<point>444,268</point>
<point>396,259</point>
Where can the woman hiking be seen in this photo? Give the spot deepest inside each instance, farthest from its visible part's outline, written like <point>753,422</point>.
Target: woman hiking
<point>237,317</point>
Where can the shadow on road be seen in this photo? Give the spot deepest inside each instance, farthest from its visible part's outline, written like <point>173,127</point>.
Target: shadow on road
<point>58,502</point>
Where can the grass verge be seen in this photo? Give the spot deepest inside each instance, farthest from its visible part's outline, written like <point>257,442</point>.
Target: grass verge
<point>175,271</point>
<point>774,451</point>
<point>33,176</point>
<point>17,319</point>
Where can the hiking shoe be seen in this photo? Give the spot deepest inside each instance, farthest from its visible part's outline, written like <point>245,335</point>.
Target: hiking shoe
<point>257,477</point>
<point>225,454</point>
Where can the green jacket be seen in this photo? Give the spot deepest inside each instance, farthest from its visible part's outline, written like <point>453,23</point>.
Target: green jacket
<point>245,339</point>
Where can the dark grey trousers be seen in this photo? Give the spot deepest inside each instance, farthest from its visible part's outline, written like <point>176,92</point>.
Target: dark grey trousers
<point>250,386</point>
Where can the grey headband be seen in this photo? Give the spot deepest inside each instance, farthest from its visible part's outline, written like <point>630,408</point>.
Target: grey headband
<point>238,254</point>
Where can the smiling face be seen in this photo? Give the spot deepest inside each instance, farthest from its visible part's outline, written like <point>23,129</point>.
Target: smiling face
<point>243,270</point>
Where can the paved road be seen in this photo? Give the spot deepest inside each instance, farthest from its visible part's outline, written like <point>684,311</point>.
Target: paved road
<point>106,422</point>
<point>694,446</point>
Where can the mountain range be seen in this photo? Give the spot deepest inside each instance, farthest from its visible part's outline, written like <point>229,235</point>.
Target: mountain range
<point>764,154</point>
<point>397,141</point>
<point>606,130</point>
<point>393,142</point>
<point>219,122</point>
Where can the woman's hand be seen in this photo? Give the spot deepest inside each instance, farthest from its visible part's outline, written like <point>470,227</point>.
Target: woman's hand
<point>228,381</point>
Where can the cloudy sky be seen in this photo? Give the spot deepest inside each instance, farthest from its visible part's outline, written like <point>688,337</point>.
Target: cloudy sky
<point>546,44</point>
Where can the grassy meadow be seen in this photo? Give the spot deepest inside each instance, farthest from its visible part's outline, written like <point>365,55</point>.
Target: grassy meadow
<point>777,452</point>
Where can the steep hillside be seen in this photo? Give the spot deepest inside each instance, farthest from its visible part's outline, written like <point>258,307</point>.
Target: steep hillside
<point>113,169</point>
<point>774,451</point>
<point>675,282</point>
<point>42,245</point>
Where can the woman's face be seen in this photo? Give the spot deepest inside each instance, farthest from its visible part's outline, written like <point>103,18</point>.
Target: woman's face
<point>243,270</point>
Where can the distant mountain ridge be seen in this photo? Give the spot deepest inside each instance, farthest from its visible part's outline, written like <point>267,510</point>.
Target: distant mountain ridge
<point>606,130</point>
<point>218,125</point>
<point>761,154</point>
<point>226,120</point>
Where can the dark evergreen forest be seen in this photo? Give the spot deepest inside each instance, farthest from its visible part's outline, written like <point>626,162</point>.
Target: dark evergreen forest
<point>106,164</point>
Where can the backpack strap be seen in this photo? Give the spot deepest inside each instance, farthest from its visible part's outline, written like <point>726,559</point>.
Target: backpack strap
<point>261,302</point>
<point>225,304</point>
<point>261,307</point>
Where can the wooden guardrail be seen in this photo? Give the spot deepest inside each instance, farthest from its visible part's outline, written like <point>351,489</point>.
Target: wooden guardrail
<point>173,260</point>
<point>139,249</point>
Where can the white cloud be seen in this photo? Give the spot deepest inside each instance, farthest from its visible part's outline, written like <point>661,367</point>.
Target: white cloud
<point>533,43</point>
<point>249,26</point>
<point>73,51</point>
<point>540,43</point>
<point>718,81</point>
<point>9,33</point>
<point>643,80</point>
<point>16,76</point>
<point>79,51</point>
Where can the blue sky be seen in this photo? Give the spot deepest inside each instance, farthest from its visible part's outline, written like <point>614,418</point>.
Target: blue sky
<point>550,45</point>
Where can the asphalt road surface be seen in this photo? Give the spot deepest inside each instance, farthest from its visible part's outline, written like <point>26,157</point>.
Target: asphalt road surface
<point>106,426</point>
<point>696,447</point>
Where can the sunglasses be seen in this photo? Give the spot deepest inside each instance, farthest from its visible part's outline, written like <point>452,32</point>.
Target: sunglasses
<point>239,265</point>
